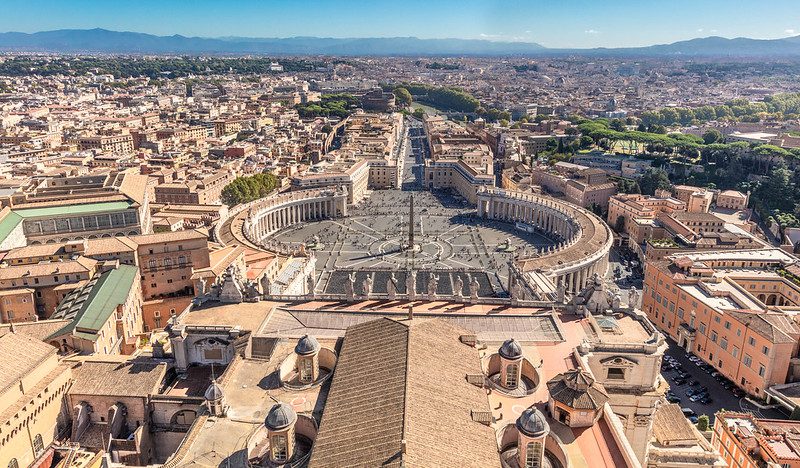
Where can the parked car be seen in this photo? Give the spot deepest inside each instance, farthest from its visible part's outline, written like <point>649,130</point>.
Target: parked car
<point>706,400</point>
<point>673,399</point>
<point>688,412</point>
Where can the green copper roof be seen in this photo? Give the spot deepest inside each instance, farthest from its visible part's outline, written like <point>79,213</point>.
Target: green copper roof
<point>91,306</point>
<point>73,210</point>
<point>8,224</point>
<point>13,219</point>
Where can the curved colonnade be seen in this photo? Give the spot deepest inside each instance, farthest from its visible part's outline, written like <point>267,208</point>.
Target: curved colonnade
<point>585,239</point>
<point>269,215</point>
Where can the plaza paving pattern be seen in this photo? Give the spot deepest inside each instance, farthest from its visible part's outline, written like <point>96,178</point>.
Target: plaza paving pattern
<point>451,241</point>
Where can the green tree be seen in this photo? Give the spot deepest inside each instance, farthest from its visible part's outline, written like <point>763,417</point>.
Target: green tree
<point>712,136</point>
<point>654,179</point>
<point>402,96</point>
<point>702,423</point>
<point>249,188</point>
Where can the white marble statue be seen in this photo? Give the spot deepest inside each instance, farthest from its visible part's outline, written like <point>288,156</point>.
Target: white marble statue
<point>474,286</point>
<point>433,284</point>
<point>411,285</point>
<point>458,287</point>
<point>391,287</point>
<point>350,286</point>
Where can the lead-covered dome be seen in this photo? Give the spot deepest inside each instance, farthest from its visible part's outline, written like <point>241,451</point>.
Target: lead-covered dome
<point>280,416</point>
<point>511,349</point>
<point>307,345</point>
<point>214,391</point>
<point>532,423</point>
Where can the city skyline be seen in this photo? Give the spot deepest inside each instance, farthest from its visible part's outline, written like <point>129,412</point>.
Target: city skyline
<point>576,24</point>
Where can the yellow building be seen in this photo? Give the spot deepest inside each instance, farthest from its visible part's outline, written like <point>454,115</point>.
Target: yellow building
<point>33,409</point>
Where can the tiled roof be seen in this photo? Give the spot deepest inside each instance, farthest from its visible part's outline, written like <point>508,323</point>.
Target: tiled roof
<point>20,354</point>
<point>404,381</point>
<point>670,425</point>
<point>118,378</point>
<point>568,388</point>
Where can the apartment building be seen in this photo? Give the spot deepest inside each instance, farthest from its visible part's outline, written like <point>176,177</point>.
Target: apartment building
<point>578,184</point>
<point>728,309</point>
<point>104,314</point>
<point>631,213</point>
<point>745,441</point>
<point>202,191</point>
<point>121,144</point>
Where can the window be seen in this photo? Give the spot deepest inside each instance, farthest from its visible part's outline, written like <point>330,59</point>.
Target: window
<point>765,350</point>
<point>511,376</point>
<point>38,445</point>
<point>714,336</point>
<point>723,343</point>
<point>702,328</point>
<point>716,318</point>
<point>680,312</point>
<point>151,264</point>
<point>727,325</point>
<point>307,371</point>
<point>533,454</point>
<point>751,341</point>
<point>761,370</point>
<point>747,360</point>
<point>279,448</point>
<point>616,373</point>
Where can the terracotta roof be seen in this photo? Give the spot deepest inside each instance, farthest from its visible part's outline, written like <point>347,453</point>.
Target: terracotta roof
<point>114,378</point>
<point>404,381</point>
<point>78,265</point>
<point>578,390</point>
<point>768,325</point>
<point>39,330</point>
<point>670,425</point>
<point>20,354</point>
<point>171,236</point>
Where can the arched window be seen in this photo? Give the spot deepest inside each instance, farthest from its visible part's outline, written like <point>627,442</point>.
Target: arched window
<point>167,263</point>
<point>13,463</point>
<point>38,445</point>
<point>279,449</point>
<point>307,371</point>
<point>511,375</point>
<point>533,456</point>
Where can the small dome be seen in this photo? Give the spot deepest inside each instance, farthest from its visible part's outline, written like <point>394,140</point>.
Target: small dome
<point>307,345</point>
<point>280,416</point>
<point>532,423</point>
<point>214,391</point>
<point>511,349</point>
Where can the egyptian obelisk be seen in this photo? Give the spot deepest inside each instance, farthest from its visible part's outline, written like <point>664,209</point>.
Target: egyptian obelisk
<point>411,223</point>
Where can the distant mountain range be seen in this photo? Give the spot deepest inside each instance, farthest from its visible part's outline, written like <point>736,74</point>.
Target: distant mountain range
<point>105,41</point>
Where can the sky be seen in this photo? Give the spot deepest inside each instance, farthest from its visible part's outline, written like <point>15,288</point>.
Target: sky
<point>553,23</point>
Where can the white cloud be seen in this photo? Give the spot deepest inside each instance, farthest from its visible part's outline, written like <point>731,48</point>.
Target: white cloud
<point>700,30</point>
<point>591,31</point>
<point>789,31</point>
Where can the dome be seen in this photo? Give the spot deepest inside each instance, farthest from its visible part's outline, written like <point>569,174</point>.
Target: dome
<point>280,416</point>
<point>214,391</point>
<point>532,423</point>
<point>307,345</point>
<point>511,349</point>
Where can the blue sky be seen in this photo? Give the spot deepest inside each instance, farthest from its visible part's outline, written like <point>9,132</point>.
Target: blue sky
<point>553,23</point>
